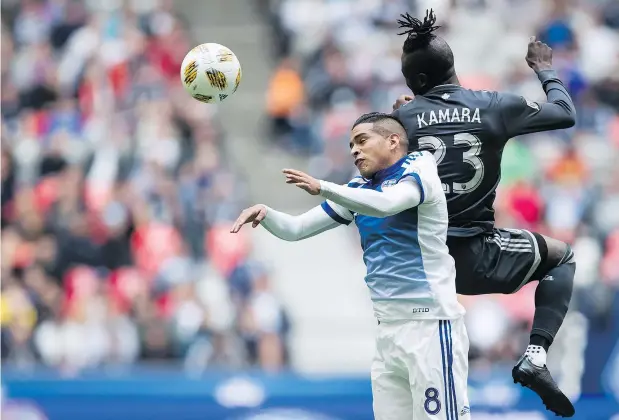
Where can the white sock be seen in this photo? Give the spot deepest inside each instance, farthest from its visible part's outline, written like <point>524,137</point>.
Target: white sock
<point>536,354</point>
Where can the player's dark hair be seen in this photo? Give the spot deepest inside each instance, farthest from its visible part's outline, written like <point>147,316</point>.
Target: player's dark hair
<point>418,33</point>
<point>383,124</point>
<point>427,60</point>
<point>374,117</point>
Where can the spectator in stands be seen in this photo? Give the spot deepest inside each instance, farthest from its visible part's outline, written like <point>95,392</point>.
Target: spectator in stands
<point>113,196</point>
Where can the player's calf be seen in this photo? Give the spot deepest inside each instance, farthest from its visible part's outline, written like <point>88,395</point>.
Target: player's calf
<point>552,298</point>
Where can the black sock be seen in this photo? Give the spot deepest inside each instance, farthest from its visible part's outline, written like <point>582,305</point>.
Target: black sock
<point>538,340</point>
<point>552,298</point>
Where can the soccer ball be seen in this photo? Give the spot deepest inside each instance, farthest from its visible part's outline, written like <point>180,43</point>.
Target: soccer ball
<point>211,73</point>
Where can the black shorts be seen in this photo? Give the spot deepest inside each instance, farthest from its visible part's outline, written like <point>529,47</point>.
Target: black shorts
<point>501,261</point>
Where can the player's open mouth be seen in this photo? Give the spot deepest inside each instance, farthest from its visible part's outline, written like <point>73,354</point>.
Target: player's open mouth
<point>358,161</point>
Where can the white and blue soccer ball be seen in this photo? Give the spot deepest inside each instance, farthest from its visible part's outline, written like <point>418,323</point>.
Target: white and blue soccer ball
<point>211,73</point>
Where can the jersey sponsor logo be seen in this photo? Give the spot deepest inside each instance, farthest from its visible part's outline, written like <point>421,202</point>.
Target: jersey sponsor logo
<point>465,410</point>
<point>449,115</point>
<point>217,79</point>
<point>421,310</point>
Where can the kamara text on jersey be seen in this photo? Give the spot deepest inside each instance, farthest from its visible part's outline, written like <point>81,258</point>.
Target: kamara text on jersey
<point>449,115</point>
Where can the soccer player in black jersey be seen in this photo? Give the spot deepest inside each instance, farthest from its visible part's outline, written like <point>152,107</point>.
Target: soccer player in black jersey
<point>467,130</point>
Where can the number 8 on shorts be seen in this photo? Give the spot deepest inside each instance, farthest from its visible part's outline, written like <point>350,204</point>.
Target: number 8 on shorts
<point>420,371</point>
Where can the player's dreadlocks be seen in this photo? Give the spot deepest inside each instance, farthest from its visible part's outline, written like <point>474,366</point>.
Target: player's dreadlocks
<point>427,60</point>
<point>418,33</point>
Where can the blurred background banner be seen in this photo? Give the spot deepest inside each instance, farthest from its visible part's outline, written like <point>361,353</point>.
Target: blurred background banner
<point>122,292</point>
<point>155,395</point>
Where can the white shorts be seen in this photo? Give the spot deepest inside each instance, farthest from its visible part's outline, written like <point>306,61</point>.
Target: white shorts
<point>420,371</point>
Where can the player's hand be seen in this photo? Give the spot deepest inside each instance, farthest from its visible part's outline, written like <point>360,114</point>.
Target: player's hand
<point>302,180</point>
<point>539,55</point>
<point>402,100</point>
<point>254,215</point>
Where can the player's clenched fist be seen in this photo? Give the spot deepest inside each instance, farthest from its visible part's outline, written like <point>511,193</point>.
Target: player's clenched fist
<point>539,55</point>
<point>254,215</point>
<point>302,180</point>
<point>402,100</point>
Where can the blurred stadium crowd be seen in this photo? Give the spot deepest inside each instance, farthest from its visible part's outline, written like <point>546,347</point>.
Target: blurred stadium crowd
<point>339,59</point>
<point>113,192</point>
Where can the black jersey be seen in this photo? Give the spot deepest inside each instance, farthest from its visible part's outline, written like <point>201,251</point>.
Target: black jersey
<point>467,130</point>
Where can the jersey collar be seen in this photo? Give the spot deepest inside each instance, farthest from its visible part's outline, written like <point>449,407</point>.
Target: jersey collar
<point>443,88</point>
<point>383,174</point>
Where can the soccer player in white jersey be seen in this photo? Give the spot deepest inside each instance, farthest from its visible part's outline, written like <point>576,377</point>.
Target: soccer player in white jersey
<point>420,367</point>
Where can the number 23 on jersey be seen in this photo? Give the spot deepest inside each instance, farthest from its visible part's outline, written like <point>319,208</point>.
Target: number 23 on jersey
<point>470,157</point>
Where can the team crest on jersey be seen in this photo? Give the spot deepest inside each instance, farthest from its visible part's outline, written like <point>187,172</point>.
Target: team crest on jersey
<point>388,183</point>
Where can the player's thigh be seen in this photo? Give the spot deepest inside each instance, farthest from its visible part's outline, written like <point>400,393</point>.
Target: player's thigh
<point>553,252</point>
<point>501,261</point>
<point>391,392</point>
<point>438,370</point>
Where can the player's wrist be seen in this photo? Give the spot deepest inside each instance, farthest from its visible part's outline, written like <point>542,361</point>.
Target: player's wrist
<point>541,68</point>
<point>266,210</point>
<point>546,76</point>
<point>324,187</point>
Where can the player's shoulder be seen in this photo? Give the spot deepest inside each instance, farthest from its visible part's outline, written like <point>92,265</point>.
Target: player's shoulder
<point>420,162</point>
<point>512,100</point>
<point>483,97</point>
<point>419,158</point>
<point>503,100</point>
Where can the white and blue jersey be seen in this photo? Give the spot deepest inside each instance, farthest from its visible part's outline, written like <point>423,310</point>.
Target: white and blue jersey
<point>410,273</point>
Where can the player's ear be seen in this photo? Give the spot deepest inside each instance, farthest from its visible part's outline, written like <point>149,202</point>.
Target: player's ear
<point>422,80</point>
<point>394,141</point>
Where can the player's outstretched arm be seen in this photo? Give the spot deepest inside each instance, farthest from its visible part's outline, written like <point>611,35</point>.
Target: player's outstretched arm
<point>521,116</point>
<point>283,225</point>
<point>403,195</point>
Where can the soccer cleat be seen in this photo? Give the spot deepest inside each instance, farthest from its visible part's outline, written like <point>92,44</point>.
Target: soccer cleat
<point>539,380</point>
